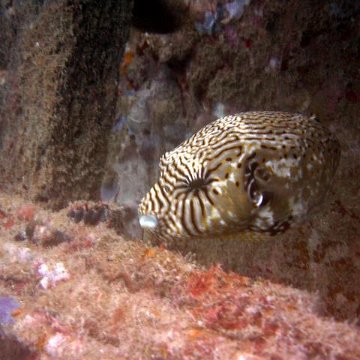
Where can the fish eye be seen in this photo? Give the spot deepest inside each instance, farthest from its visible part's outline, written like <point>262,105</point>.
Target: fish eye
<point>258,199</point>
<point>256,174</point>
<point>255,195</point>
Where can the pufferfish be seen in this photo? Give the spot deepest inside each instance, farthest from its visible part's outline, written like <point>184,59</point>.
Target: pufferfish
<point>253,172</point>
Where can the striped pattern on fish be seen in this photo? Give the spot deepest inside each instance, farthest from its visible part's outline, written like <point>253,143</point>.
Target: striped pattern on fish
<point>253,171</point>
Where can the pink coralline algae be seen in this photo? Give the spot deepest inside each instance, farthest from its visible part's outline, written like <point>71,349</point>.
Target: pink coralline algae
<point>98,296</point>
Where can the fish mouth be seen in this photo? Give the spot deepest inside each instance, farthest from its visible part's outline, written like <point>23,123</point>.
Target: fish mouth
<point>148,221</point>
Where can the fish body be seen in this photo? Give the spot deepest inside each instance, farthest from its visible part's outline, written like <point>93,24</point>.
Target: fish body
<point>251,172</point>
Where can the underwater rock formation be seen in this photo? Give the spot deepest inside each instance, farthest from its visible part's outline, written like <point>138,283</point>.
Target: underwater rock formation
<point>59,96</point>
<point>100,296</point>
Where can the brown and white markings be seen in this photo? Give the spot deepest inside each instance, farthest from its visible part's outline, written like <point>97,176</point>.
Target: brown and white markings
<point>255,171</point>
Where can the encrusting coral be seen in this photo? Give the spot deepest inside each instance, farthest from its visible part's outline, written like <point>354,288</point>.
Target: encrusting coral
<point>95,295</point>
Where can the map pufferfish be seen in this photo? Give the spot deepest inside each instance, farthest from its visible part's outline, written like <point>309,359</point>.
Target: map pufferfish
<point>252,173</point>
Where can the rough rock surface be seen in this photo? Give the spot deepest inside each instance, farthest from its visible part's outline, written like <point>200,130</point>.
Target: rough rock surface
<point>59,63</point>
<point>70,288</point>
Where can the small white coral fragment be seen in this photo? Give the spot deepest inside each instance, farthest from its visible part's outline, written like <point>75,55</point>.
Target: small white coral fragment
<point>51,276</point>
